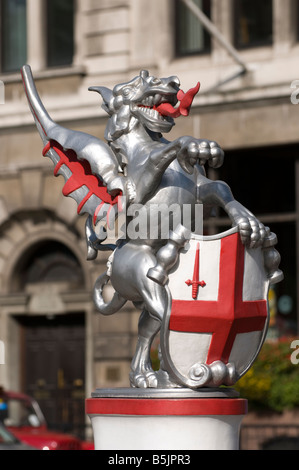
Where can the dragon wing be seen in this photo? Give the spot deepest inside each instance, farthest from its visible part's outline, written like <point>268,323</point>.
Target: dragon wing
<point>88,165</point>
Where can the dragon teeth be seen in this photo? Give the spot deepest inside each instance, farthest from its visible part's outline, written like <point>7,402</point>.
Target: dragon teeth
<point>149,101</point>
<point>152,113</point>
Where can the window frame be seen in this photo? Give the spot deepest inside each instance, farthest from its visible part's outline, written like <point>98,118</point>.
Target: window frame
<point>296,16</point>
<point>50,63</point>
<point>3,70</point>
<point>207,49</point>
<point>252,45</point>
<point>37,40</point>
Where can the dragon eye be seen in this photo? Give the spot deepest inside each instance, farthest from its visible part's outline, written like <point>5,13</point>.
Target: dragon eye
<point>155,81</point>
<point>126,91</point>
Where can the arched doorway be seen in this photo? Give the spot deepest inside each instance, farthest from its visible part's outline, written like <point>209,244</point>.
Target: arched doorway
<point>49,261</point>
<point>52,337</point>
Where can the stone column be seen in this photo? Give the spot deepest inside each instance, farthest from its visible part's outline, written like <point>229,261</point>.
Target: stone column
<point>36,34</point>
<point>284,25</point>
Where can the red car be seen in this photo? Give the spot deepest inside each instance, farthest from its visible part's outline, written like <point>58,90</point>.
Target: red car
<point>24,418</point>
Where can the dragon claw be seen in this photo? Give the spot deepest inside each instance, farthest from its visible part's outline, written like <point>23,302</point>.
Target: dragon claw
<point>143,379</point>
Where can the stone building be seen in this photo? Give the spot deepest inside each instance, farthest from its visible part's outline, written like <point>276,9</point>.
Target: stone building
<point>56,345</point>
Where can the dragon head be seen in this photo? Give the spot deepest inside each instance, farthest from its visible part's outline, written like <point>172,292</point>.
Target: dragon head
<point>145,99</point>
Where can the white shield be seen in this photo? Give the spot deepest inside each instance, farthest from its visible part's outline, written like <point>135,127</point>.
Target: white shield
<point>218,316</point>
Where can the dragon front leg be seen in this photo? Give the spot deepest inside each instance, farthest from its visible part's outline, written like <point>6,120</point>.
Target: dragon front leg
<point>218,193</point>
<point>252,231</point>
<point>188,151</point>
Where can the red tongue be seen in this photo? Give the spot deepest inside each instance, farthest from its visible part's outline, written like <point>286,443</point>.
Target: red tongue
<point>185,99</point>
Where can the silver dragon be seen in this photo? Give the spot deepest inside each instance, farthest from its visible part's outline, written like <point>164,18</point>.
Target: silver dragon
<point>137,163</point>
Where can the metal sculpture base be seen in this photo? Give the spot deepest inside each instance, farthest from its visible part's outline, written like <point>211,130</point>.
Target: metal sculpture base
<point>168,419</point>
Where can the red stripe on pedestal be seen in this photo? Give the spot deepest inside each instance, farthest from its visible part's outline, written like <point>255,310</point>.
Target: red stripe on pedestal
<point>166,407</point>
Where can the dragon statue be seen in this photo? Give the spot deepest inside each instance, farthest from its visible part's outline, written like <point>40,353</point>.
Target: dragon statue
<point>138,166</point>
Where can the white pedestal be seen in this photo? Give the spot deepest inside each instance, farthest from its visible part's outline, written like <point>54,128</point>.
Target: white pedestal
<point>179,419</point>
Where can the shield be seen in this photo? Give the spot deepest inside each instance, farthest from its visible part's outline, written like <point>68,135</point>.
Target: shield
<point>218,314</point>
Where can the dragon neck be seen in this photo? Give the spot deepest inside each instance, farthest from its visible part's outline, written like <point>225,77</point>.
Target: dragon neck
<point>129,145</point>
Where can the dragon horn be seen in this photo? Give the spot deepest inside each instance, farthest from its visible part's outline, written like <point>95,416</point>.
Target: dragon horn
<point>106,94</point>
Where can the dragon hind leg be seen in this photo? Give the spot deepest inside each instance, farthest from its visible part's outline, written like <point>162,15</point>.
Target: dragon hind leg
<point>142,374</point>
<point>131,263</point>
<point>155,304</point>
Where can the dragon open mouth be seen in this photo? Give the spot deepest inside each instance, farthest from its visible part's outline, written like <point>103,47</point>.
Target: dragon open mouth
<point>158,108</point>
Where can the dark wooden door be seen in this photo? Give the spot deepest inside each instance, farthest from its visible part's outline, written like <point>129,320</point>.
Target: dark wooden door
<point>54,368</point>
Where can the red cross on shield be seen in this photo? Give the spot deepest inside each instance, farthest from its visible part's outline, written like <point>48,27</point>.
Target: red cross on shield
<point>225,322</point>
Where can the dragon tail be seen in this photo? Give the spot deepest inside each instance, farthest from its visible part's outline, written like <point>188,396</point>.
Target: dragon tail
<point>106,308</point>
<point>42,119</point>
<point>88,165</point>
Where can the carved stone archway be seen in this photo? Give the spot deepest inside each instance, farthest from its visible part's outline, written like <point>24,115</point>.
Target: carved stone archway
<point>43,273</point>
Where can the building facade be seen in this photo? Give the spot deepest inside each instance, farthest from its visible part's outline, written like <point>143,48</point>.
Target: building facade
<point>246,58</point>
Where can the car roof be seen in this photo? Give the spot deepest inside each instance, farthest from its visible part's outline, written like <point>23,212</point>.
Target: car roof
<point>17,395</point>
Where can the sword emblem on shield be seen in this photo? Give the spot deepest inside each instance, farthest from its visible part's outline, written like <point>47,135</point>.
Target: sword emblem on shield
<point>196,283</point>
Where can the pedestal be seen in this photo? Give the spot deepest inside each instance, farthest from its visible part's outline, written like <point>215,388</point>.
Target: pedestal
<point>170,419</point>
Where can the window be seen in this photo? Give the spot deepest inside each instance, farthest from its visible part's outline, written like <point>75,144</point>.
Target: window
<point>253,23</point>
<point>60,17</point>
<point>277,167</point>
<point>191,37</point>
<point>19,34</point>
<point>13,34</point>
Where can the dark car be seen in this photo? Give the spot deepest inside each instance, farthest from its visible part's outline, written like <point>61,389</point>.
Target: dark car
<point>9,442</point>
<point>23,417</point>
